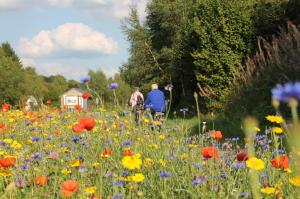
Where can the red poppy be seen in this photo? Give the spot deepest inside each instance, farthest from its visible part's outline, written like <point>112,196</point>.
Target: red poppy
<point>88,122</point>
<point>77,107</point>
<point>218,135</point>
<point>106,152</point>
<point>78,128</point>
<point>95,197</point>
<point>69,187</point>
<point>1,125</point>
<point>85,95</point>
<point>242,156</point>
<point>48,102</point>
<point>5,107</point>
<point>6,162</point>
<point>210,152</point>
<point>127,153</point>
<point>41,180</point>
<point>281,162</point>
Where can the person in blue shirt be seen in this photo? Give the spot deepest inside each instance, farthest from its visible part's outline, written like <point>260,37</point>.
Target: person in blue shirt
<point>155,101</point>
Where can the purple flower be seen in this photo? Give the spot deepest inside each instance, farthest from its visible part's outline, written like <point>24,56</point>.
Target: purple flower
<point>127,143</point>
<point>238,165</point>
<point>117,196</point>
<point>37,156</point>
<point>198,180</point>
<point>85,79</point>
<point>49,116</point>
<point>164,174</point>
<point>36,139</point>
<point>244,195</point>
<point>82,169</point>
<point>286,92</point>
<point>113,86</point>
<point>75,139</point>
<point>25,166</point>
<point>119,183</point>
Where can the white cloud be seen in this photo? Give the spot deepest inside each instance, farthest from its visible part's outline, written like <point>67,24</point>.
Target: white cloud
<point>68,40</point>
<point>97,8</point>
<point>27,62</point>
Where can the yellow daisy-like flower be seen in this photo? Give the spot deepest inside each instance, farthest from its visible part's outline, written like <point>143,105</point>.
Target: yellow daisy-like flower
<point>192,146</point>
<point>153,146</point>
<point>8,140</point>
<point>146,121</point>
<point>66,171</point>
<point>268,190</point>
<point>90,190</point>
<point>295,181</point>
<point>277,130</point>
<point>184,156</point>
<point>275,119</point>
<point>15,145</point>
<point>255,163</point>
<point>162,137</point>
<point>138,177</point>
<point>75,163</point>
<point>95,164</point>
<point>132,162</point>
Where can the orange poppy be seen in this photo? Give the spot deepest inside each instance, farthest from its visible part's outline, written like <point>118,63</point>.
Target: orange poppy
<point>5,107</point>
<point>88,122</point>
<point>78,128</point>
<point>6,162</point>
<point>85,95</point>
<point>69,187</point>
<point>218,135</point>
<point>41,180</point>
<point>210,152</point>
<point>127,153</point>
<point>280,163</point>
<point>77,107</point>
<point>48,102</point>
<point>1,125</point>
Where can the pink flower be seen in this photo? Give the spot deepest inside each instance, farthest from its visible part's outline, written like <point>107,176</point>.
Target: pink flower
<point>53,155</point>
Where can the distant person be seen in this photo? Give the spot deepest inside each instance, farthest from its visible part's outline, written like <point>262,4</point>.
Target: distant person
<point>155,101</point>
<point>137,104</point>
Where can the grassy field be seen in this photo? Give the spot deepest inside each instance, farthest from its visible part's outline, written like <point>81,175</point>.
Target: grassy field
<point>43,155</point>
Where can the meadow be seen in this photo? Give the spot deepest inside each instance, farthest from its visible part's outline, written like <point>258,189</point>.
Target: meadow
<point>102,154</point>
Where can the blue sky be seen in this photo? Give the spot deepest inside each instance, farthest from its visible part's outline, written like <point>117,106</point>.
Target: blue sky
<point>67,37</point>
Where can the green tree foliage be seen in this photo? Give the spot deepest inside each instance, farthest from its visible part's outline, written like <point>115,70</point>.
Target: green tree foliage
<point>57,85</point>
<point>11,78</point>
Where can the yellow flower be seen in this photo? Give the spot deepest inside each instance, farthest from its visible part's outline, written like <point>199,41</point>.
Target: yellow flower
<point>66,171</point>
<point>132,162</point>
<point>268,190</point>
<point>162,137</point>
<point>11,120</point>
<point>65,149</point>
<point>153,146</point>
<point>192,145</point>
<point>16,145</point>
<point>295,181</point>
<point>277,130</point>
<point>2,152</point>
<point>257,129</point>
<point>75,163</point>
<point>90,190</point>
<point>8,140</point>
<point>95,164</point>
<point>5,172</point>
<point>162,162</point>
<point>288,170</point>
<point>146,121</point>
<point>184,156</point>
<point>275,119</point>
<point>255,163</point>
<point>138,177</point>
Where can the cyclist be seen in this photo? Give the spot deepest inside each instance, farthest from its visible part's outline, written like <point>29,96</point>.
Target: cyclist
<point>137,104</point>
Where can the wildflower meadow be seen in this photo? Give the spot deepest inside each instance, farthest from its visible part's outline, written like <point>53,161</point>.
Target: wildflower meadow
<point>102,154</point>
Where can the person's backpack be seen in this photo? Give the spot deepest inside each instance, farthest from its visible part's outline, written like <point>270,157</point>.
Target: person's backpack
<point>139,100</point>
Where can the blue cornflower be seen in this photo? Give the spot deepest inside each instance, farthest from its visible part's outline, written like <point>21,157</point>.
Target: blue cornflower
<point>198,165</point>
<point>199,180</point>
<point>49,116</point>
<point>127,143</point>
<point>286,92</point>
<point>80,156</point>
<point>37,156</point>
<point>85,79</point>
<point>25,166</point>
<point>36,139</point>
<point>238,165</point>
<point>164,174</point>
<point>75,139</point>
<point>119,183</point>
<point>113,86</point>
<point>117,196</point>
<point>28,123</point>
<point>49,138</point>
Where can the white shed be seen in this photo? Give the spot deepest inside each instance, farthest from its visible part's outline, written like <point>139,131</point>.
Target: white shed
<point>71,98</point>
